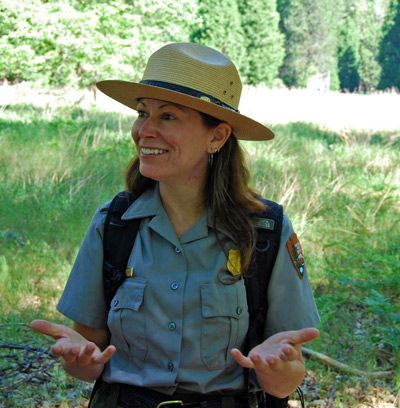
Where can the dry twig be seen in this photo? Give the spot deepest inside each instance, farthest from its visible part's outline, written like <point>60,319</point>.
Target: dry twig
<point>345,367</point>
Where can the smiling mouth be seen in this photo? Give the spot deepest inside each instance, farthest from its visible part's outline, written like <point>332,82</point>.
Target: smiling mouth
<point>145,151</point>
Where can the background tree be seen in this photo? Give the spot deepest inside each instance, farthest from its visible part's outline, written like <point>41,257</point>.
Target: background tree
<point>310,31</point>
<point>60,43</point>
<point>263,40</point>
<point>348,47</point>
<point>77,42</point>
<point>220,27</point>
<point>370,32</point>
<point>389,53</point>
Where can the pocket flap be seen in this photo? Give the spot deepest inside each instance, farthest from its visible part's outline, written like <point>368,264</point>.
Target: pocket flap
<point>222,300</point>
<point>130,295</point>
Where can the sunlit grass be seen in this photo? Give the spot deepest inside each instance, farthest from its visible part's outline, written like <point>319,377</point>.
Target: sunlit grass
<point>344,200</point>
<point>342,193</point>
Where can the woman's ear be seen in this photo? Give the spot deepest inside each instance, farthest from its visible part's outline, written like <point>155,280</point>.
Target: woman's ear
<point>220,135</point>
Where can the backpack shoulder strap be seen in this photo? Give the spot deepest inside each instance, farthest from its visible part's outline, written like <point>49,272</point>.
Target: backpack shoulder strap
<point>269,227</point>
<point>118,239</point>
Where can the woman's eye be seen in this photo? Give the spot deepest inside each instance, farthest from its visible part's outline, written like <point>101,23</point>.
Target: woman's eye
<point>141,114</point>
<point>168,116</point>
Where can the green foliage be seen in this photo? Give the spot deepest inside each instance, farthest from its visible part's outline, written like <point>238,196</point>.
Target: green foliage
<point>344,202</point>
<point>310,30</point>
<point>370,31</point>
<point>389,53</point>
<point>263,41</point>
<point>220,28</point>
<point>348,48</point>
<point>57,44</point>
<point>359,37</point>
<point>76,43</point>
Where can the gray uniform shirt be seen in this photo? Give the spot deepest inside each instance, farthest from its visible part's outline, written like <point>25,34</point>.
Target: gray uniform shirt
<point>174,322</point>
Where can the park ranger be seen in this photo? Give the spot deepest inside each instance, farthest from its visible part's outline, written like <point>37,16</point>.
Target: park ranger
<point>173,332</point>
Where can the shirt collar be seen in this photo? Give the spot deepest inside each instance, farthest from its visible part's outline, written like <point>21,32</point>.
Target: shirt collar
<point>149,204</point>
<point>146,205</point>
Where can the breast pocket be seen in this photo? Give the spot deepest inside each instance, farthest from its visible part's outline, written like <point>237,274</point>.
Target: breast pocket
<point>224,322</point>
<point>126,319</point>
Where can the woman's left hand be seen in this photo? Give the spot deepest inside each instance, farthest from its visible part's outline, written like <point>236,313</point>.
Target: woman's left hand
<point>278,361</point>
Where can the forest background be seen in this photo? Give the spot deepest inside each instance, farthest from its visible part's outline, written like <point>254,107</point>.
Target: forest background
<point>285,42</point>
<point>63,150</point>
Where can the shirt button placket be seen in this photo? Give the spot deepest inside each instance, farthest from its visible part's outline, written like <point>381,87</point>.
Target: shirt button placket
<point>173,325</point>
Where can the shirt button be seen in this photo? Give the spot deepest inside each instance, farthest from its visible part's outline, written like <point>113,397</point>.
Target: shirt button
<point>115,302</point>
<point>172,326</point>
<point>171,366</point>
<point>178,250</point>
<point>239,310</point>
<point>174,285</point>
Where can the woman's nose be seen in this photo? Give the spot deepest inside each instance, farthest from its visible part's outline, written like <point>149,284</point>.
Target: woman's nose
<point>147,128</point>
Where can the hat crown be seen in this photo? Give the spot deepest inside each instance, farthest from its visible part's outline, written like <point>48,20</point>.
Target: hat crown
<point>197,67</point>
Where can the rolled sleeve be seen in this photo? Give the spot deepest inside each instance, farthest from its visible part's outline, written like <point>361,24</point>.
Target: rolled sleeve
<point>291,304</point>
<point>83,298</point>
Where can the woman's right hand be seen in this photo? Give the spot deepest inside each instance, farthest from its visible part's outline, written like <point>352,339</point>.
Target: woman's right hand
<point>81,358</point>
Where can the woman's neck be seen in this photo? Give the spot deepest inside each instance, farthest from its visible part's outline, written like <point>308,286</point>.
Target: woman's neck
<point>184,205</point>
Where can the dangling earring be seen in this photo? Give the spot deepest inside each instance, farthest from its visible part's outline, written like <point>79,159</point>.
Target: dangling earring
<point>211,156</point>
<point>210,159</point>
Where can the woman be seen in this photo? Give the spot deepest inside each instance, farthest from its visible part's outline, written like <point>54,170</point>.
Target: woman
<point>172,333</point>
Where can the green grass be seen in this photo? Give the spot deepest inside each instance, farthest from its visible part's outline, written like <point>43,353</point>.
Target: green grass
<point>342,193</point>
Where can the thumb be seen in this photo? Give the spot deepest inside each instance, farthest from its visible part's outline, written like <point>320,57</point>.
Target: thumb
<point>303,335</point>
<point>50,329</point>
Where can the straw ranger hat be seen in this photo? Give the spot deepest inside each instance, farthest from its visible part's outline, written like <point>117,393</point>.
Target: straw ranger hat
<point>194,76</point>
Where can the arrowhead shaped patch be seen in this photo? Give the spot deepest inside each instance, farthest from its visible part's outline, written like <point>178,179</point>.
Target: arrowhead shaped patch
<point>296,255</point>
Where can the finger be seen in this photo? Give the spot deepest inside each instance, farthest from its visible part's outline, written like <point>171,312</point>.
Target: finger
<point>269,362</point>
<point>298,337</point>
<point>306,335</point>
<point>50,329</point>
<point>70,354</point>
<point>56,350</point>
<point>272,360</point>
<point>289,353</point>
<point>241,359</point>
<point>259,362</point>
<point>105,356</point>
<point>86,353</point>
<point>62,349</point>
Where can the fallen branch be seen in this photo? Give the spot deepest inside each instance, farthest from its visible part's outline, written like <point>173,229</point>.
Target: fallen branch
<point>344,367</point>
<point>26,325</point>
<point>22,363</point>
<point>23,347</point>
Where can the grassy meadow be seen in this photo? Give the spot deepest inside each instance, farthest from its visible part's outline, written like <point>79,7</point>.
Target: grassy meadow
<point>342,192</point>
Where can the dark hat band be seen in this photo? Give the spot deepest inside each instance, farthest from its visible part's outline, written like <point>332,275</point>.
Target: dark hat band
<point>189,92</point>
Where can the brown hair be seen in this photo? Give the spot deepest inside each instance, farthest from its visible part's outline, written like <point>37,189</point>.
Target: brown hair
<point>228,194</point>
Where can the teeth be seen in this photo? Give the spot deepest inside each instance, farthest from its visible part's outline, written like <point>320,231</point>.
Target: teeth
<point>145,150</point>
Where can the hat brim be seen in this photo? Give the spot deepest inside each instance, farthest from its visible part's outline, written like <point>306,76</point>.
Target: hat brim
<point>128,94</point>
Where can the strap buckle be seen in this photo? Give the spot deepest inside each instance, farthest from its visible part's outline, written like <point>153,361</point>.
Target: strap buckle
<point>172,402</point>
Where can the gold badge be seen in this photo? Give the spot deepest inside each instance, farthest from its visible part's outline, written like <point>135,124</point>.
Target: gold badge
<point>296,254</point>
<point>234,263</point>
<point>129,272</point>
